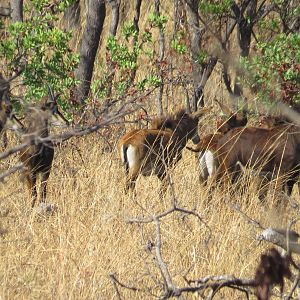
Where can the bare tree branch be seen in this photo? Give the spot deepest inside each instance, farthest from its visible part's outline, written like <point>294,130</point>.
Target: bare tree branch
<point>12,170</point>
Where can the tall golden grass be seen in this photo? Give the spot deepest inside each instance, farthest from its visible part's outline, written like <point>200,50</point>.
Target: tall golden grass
<point>71,254</point>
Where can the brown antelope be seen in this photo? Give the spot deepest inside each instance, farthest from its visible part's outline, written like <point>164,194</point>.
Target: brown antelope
<point>207,147</point>
<point>152,151</point>
<point>267,121</point>
<point>208,161</point>
<point>37,157</point>
<point>274,150</point>
<point>230,119</point>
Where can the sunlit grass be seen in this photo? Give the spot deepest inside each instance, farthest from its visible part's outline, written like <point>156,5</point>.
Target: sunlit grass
<point>72,253</point>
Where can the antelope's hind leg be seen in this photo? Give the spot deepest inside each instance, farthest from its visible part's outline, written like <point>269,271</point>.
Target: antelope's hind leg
<point>130,185</point>
<point>131,177</point>
<point>31,184</point>
<point>45,177</point>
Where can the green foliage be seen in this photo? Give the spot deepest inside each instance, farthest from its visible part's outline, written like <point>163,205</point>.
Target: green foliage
<point>149,81</point>
<point>122,55</point>
<point>157,20</point>
<point>41,50</point>
<point>276,69</point>
<point>216,8</point>
<point>202,57</point>
<point>129,31</point>
<point>269,25</point>
<point>179,46</point>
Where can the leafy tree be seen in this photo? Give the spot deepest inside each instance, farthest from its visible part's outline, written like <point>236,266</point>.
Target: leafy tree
<point>40,50</point>
<point>275,69</point>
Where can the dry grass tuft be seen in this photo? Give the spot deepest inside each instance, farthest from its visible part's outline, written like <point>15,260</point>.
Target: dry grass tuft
<point>71,253</point>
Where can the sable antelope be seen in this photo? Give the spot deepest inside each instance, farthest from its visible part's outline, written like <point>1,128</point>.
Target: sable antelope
<point>152,151</point>
<point>274,150</point>
<point>207,147</point>
<point>37,158</point>
<point>267,121</point>
<point>231,119</point>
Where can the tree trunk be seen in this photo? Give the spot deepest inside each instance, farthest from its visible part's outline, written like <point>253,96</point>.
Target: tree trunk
<point>17,10</point>
<point>72,15</point>
<point>245,26</point>
<point>244,32</point>
<point>201,71</point>
<point>195,37</point>
<point>115,15</point>
<point>136,19</point>
<point>89,45</point>
<point>161,58</point>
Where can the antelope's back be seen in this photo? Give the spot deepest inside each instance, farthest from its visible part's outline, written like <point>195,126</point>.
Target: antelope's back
<point>144,149</point>
<point>259,145</point>
<point>37,157</point>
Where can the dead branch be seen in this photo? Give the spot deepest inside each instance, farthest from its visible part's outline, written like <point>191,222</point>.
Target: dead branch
<point>215,283</point>
<point>294,286</point>
<point>114,117</point>
<point>275,237</point>
<point>249,220</point>
<point>12,170</point>
<point>170,288</point>
<point>115,280</point>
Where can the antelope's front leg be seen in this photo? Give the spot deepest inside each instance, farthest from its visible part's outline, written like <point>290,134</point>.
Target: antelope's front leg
<point>45,177</point>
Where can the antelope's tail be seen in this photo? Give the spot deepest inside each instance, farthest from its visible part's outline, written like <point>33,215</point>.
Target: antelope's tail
<point>124,157</point>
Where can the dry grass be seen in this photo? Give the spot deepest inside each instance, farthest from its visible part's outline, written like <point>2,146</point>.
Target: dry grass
<point>72,253</point>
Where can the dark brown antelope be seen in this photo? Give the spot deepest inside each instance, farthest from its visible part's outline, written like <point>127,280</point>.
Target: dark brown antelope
<point>152,151</point>
<point>207,147</point>
<point>274,150</point>
<point>37,157</point>
<point>230,119</point>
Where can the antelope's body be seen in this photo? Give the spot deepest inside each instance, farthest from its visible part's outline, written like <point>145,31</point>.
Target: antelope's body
<point>37,158</point>
<point>152,151</point>
<point>207,147</point>
<point>275,150</point>
<point>208,162</point>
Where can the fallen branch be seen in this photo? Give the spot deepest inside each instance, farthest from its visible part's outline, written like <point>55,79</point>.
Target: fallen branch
<point>277,237</point>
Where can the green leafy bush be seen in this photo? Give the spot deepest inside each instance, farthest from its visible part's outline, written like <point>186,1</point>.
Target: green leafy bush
<point>275,70</point>
<point>41,50</point>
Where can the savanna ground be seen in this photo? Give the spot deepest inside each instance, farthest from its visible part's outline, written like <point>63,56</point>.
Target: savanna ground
<point>72,253</point>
